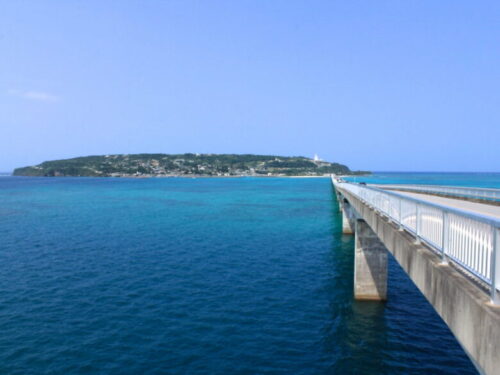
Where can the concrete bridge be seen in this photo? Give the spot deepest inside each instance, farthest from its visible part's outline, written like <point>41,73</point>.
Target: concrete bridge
<point>448,242</point>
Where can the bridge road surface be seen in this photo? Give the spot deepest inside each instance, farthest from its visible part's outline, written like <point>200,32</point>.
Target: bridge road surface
<point>477,208</point>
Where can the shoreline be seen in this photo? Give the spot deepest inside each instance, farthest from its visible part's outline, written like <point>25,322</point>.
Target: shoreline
<point>180,176</point>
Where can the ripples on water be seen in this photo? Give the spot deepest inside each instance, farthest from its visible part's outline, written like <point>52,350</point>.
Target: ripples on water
<point>205,276</point>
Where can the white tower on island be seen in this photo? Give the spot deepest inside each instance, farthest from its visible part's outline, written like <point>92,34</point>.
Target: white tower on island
<point>316,157</point>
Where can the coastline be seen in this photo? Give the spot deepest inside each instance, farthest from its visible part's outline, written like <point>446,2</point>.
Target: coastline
<point>179,176</point>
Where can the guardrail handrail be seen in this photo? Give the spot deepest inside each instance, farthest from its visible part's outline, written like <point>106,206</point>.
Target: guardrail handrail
<point>490,194</point>
<point>470,240</point>
<point>485,218</point>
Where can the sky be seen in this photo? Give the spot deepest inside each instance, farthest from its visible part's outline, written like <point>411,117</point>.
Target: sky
<point>376,85</point>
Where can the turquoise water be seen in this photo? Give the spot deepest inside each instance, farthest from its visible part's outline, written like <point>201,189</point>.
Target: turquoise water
<point>486,180</point>
<point>198,276</point>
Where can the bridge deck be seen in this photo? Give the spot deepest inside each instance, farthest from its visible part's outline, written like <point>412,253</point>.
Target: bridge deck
<point>479,208</point>
<point>469,241</point>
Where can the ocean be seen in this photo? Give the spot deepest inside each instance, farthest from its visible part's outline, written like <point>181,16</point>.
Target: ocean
<point>485,180</point>
<point>202,276</point>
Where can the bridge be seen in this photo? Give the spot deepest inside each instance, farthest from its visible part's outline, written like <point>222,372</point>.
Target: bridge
<point>447,239</point>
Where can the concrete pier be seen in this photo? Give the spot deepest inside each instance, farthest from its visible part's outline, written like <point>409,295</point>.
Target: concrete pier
<point>348,223</point>
<point>370,264</point>
<point>339,200</point>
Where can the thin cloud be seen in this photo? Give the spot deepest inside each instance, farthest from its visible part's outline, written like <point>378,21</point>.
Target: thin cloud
<point>35,95</point>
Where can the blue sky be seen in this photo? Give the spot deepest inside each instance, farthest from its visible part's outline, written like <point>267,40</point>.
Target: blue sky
<point>377,85</point>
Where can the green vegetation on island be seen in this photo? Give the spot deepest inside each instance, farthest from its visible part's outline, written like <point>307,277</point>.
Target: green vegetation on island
<point>165,165</point>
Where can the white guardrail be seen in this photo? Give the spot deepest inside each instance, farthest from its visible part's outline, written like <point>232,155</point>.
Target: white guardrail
<point>472,241</point>
<point>457,191</point>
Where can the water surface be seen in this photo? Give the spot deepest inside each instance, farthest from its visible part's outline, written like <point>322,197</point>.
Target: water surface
<point>198,276</point>
<point>485,180</point>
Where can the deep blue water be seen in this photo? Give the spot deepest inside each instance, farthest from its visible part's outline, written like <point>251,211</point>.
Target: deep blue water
<point>198,276</point>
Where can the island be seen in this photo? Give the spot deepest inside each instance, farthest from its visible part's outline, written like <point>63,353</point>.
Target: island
<point>185,165</point>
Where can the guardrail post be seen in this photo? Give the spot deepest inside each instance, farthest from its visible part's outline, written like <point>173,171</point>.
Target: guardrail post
<point>400,215</point>
<point>417,224</point>
<point>445,237</point>
<point>495,267</point>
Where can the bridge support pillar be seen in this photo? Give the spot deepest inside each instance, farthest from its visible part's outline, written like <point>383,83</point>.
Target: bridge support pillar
<point>348,223</point>
<point>340,199</point>
<point>370,264</point>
